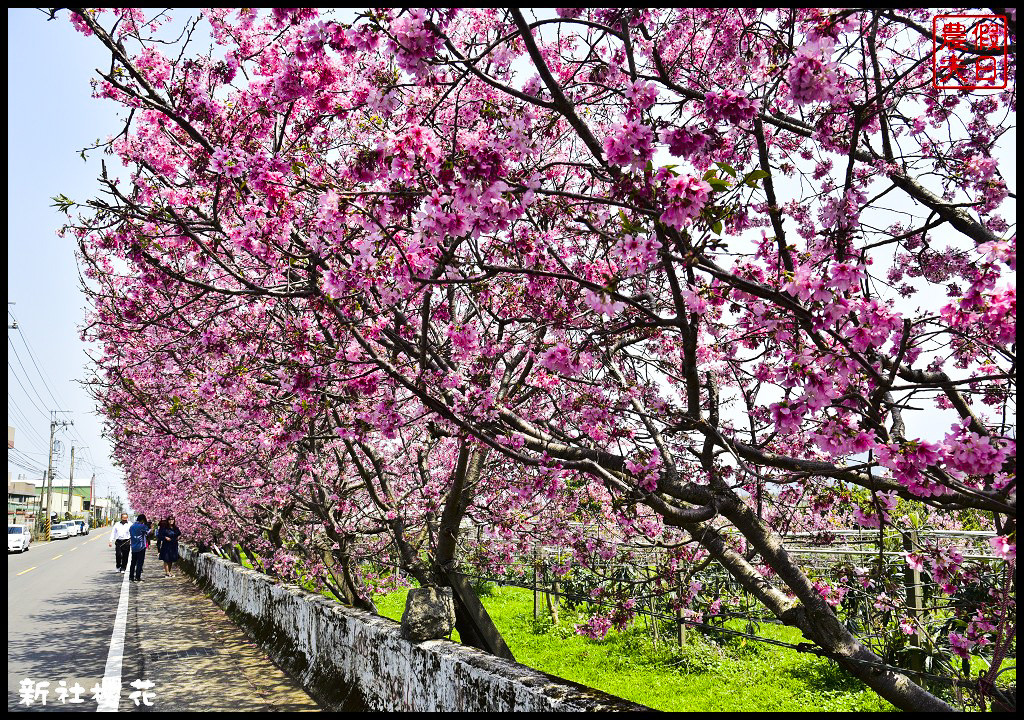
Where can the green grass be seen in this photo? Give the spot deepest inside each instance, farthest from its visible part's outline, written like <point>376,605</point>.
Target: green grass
<point>703,675</point>
<point>721,674</point>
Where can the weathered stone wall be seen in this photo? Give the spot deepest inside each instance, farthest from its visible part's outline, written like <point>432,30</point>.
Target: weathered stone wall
<point>353,660</point>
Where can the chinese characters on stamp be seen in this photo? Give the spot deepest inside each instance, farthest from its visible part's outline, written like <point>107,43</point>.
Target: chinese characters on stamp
<point>969,52</point>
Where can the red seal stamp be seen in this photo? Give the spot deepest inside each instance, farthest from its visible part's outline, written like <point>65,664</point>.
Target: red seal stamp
<point>969,52</point>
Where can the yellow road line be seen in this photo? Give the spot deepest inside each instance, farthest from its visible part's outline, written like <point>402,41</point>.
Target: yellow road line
<point>74,548</point>
<point>30,569</point>
<point>58,556</point>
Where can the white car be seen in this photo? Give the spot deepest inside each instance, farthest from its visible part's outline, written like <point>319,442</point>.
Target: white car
<point>72,527</point>
<point>83,526</point>
<point>18,538</point>
<point>59,531</point>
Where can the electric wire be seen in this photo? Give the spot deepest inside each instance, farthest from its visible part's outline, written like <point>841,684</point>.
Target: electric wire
<point>33,437</point>
<point>43,375</point>
<point>18,380</point>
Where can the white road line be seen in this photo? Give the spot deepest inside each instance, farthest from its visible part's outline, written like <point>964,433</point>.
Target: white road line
<point>112,674</point>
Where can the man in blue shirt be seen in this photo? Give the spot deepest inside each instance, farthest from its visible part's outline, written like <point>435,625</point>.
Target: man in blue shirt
<point>139,535</point>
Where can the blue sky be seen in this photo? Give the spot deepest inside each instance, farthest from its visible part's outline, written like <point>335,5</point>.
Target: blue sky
<point>50,118</point>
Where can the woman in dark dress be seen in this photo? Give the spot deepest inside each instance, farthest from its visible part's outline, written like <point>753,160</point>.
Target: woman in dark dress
<point>160,534</point>
<point>169,546</point>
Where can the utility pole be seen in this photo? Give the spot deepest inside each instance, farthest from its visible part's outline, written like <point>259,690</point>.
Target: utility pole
<point>71,481</point>
<point>54,423</point>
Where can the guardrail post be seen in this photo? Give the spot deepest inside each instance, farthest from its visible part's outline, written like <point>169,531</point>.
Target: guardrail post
<point>912,581</point>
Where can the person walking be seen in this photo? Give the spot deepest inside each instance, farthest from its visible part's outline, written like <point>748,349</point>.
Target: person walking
<point>121,541</point>
<point>169,550</point>
<point>139,535</point>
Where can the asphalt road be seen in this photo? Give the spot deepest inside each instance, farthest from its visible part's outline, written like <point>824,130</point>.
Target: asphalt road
<point>61,601</point>
<point>62,613</point>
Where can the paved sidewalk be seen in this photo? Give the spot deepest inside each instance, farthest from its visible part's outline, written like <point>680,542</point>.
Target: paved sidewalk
<point>198,659</point>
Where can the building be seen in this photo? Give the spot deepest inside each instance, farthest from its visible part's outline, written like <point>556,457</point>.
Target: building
<point>80,501</point>
<point>102,511</point>
<point>22,503</point>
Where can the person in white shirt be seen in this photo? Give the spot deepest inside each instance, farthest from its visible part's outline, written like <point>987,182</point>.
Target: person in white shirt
<point>121,540</point>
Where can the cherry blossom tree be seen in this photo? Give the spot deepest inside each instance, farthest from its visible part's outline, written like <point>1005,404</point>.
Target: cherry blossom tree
<point>705,276</point>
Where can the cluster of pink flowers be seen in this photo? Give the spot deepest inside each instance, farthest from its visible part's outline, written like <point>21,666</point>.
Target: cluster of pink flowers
<point>641,94</point>
<point>843,213</point>
<point>415,42</point>
<point>839,436</point>
<point>694,300</point>
<point>465,339</point>
<point>985,309</point>
<point>227,163</point>
<point>602,303</point>
<point>979,168</point>
<point>832,595</point>
<point>636,253</point>
<point>646,473</point>
<point>595,628</point>
<point>560,360</point>
<point>867,516</point>
<point>969,452</point>
<point>1004,547</point>
<point>155,66</point>
<point>811,77</point>
<point>683,142</point>
<point>686,196</point>
<point>483,163</point>
<point>630,144</point>
<point>961,644</point>
<point>787,415</point>
<point>908,461</point>
<point>733,106</point>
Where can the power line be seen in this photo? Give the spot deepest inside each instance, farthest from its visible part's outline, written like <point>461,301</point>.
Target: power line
<point>18,380</point>
<point>18,412</point>
<point>31,355</point>
<point>27,378</point>
<point>22,457</point>
<point>33,437</point>
<point>43,375</point>
<point>25,463</point>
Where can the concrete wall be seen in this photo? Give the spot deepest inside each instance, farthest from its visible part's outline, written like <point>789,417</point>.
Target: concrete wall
<point>353,660</point>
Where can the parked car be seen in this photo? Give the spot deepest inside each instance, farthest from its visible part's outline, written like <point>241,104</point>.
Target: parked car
<point>59,531</point>
<point>83,526</point>
<point>72,527</point>
<point>18,538</point>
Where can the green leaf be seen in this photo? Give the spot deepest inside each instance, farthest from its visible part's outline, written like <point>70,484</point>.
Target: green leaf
<point>727,168</point>
<point>755,175</point>
<point>710,174</point>
<point>63,203</point>
<point>717,184</point>
<point>716,227</point>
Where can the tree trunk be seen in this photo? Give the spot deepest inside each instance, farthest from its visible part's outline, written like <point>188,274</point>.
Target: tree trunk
<point>471,618</point>
<point>808,611</point>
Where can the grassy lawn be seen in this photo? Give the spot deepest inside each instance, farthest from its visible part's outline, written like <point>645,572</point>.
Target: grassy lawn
<point>733,676</point>
<point>721,674</point>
